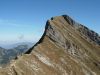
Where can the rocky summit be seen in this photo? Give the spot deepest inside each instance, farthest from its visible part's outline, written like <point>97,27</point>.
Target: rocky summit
<point>66,48</point>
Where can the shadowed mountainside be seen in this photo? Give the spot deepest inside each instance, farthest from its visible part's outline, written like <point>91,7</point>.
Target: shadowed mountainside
<point>6,55</point>
<point>66,48</point>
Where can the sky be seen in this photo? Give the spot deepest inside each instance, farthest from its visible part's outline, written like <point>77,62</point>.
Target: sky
<point>24,20</point>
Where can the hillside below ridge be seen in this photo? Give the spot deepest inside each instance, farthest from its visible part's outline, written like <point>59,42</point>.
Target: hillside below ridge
<point>66,48</point>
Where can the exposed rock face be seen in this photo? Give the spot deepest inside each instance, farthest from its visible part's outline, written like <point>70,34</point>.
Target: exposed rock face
<point>63,50</point>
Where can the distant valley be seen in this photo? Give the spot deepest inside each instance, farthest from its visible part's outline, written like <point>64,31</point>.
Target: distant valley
<point>7,53</point>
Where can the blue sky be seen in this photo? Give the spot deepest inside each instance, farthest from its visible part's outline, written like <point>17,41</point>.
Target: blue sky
<point>24,20</point>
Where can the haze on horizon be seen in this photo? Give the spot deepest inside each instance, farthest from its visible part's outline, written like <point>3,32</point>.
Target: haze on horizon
<point>24,20</point>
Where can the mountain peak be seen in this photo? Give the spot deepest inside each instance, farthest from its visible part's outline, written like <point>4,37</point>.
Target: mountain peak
<point>66,48</point>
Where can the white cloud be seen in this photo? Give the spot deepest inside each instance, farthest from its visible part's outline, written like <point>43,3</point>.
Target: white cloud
<point>21,37</point>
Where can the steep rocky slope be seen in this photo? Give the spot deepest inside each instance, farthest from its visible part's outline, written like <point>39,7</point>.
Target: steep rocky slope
<point>66,48</point>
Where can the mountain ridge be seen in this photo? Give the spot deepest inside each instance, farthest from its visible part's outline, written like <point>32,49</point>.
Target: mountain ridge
<point>62,50</point>
<point>9,46</point>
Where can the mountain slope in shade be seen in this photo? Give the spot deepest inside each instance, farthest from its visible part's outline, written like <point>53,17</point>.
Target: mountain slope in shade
<point>6,55</point>
<point>66,48</point>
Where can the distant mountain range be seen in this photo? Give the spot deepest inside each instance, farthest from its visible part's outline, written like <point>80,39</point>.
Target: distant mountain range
<point>10,52</point>
<point>9,46</point>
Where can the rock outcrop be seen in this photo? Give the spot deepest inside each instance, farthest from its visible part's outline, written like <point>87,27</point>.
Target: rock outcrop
<point>66,48</point>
